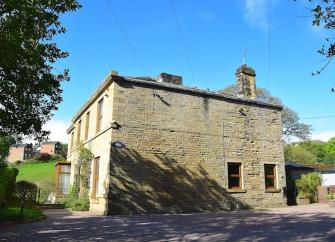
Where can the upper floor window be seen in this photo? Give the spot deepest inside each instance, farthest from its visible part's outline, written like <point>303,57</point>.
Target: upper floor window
<point>99,115</point>
<point>78,132</point>
<point>87,124</point>
<point>72,140</point>
<point>270,176</point>
<point>234,176</point>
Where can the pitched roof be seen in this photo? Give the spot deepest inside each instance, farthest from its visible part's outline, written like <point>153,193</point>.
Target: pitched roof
<point>20,145</point>
<point>151,82</point>
<point>297,166</point>
<point>50,142</point>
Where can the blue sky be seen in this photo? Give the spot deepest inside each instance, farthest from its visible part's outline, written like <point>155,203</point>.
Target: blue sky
<point>216,34</point>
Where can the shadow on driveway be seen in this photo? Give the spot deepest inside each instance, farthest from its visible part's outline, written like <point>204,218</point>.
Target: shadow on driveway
<point>272,224</point>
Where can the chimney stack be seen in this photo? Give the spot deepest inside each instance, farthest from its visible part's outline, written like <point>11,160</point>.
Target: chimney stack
<point>246,82</point>
<point>165,77</point>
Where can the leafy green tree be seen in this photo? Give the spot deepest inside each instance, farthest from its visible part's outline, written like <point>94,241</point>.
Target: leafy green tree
<point>29,89</point>
<point>329,158</point>
<point>324,16</point>
<point>330,147</point>
<point>64,150</point>
<point>317,148</point>
<point>307,186</point>
<point>7,184</point>
<point>292,127</point>
<point>5,142</point>
<point>26,193</point>
<point>298,154</point>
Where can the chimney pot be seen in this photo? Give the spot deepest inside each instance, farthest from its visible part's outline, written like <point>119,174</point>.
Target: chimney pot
<point>169,78</point>
<point>114,73</point>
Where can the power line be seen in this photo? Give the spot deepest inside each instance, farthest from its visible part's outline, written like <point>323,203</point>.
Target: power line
<point>182,40</point>
<point>269,47</point>
<point>126,38</point>
<point>320,117</point>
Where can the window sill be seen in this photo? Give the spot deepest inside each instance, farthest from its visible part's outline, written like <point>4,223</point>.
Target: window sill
<point>273,190</point>
<point>237,190</point>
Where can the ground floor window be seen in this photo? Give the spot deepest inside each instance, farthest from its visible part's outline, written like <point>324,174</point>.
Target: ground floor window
<point>95,187</point>
<point>63,177</point>
<point>270,176</point>
<point>234,176</point>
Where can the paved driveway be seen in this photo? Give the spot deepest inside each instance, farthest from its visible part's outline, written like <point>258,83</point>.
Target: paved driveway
<point>308,223</point>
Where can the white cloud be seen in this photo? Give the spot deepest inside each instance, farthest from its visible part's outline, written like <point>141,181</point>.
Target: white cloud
<point>256,12</point>
<point>207,15</point>
<point>58,130</point>
<point>323,135</point>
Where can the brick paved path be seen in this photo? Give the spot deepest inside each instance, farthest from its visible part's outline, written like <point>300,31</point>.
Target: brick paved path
<point>301,223</point>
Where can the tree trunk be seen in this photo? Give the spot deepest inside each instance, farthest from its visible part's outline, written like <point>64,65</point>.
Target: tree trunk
<point>22,205</point>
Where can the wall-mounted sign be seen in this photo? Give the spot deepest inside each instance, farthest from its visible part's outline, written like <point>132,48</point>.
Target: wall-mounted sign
<point>118,145</point>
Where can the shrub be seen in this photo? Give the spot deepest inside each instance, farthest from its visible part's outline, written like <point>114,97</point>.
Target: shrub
<point>78,199</point>
<point>75,202</point>
<point>57,157</point>
<point>72,197</point>
<point>43,157</point>
<point>7,185</point>
<point>81,204</point>
<point>331,196</point>
<point>17,162</point>
<point>307,186</point>
<point>26,193</point>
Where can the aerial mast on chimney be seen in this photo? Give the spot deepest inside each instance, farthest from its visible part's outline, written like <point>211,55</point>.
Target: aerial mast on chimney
<point>244,56</point>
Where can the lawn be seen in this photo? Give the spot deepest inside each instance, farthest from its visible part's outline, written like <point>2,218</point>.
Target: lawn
<point>36,172</point>
<point>13,214</point>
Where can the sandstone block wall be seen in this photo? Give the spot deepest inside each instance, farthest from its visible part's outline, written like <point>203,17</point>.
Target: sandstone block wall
<point>177,146</point>
<point>99,143</point>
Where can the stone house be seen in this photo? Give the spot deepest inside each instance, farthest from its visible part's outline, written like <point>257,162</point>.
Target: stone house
<point>20,152</point>
<point>160,146</point>
<point>51,147</point>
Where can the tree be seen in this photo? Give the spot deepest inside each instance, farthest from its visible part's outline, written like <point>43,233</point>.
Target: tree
<point>308,185</point>
<point>292,127</point>
<point>7,183</point>
<point>324,15</point>
<point>29,89</point>
<point>317,148</point>
<point>330,146</point>
<point>5,143</point>
<point>298,154</point>
<point>64,150</point>
<point>329,158</point>
<point>26,193</point>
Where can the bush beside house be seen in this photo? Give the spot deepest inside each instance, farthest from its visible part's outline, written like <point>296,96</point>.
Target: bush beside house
<point>15,197</point>
<point>78,199</point>
<point>307,186</point>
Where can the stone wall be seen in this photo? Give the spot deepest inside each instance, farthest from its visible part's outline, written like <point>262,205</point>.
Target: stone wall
<point>98,143</point>
<point>177,146</point>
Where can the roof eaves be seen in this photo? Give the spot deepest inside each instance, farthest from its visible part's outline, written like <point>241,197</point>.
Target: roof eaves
<point>201,92</point>
<point>107,81</point>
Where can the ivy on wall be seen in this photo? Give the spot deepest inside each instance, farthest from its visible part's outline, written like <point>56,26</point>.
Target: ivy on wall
<point>78,199</point>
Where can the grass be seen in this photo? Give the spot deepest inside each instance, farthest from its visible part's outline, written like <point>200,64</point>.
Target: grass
<point>37,172</point>
<point>13,214</point>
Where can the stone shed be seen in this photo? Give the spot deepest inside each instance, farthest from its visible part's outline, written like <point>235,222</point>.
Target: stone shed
<point>162,147</point>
